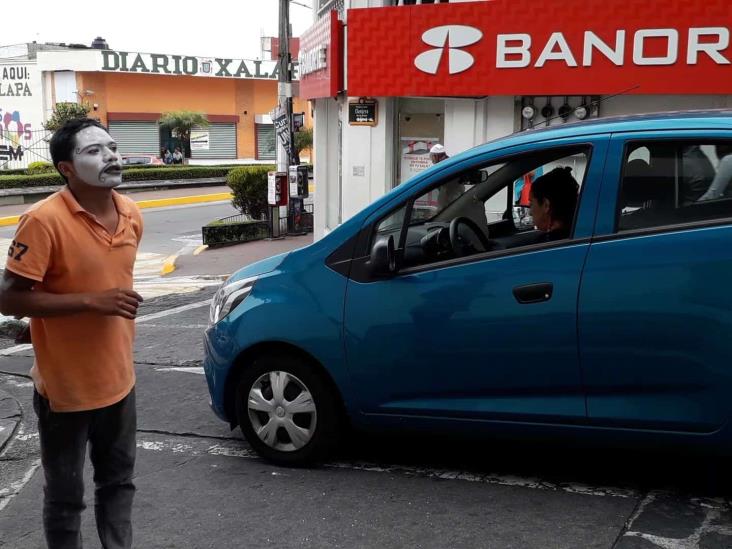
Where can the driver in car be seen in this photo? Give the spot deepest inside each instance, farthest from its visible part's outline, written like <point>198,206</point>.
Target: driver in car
<point>552,202</point>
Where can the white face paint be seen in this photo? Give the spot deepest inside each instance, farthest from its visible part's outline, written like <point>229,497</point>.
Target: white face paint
<point>96,160</point>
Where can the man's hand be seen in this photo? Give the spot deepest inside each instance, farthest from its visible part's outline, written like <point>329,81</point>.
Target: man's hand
<point>115,302</point>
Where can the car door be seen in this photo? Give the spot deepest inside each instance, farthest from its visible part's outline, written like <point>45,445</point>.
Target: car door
<point>654,310</point>
<point>488,336</point>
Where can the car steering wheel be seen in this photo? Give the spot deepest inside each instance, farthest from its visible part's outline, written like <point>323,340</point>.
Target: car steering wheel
<point>459,245</point>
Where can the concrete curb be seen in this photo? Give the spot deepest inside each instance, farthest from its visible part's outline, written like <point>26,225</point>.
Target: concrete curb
<point>155,203</point>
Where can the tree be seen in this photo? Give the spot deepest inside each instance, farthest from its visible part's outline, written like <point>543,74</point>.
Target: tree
<point>181,123</point>
<point>304,139</point>
<point>63,112</point>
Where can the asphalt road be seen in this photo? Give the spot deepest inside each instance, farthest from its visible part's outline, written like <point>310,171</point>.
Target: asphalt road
<point>200,485</point>
<point>169,229</point>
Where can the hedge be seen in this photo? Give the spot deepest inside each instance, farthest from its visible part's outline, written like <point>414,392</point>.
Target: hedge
<point>249,189</point>
<point>129,174</point>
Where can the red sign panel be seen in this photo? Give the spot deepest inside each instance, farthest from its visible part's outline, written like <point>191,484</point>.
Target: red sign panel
<point>320,63</point>
<point>524,47</point>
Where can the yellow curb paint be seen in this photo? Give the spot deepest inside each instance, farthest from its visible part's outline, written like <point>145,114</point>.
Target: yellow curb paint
<point>155,203</point>
<point>168,265</point>
<point>10,220</point>
<point>181,200</point>
<point>200,249</point>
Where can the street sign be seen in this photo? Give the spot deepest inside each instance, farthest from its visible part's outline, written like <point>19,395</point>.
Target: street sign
<point>364,112</point>
<point>282,128</point>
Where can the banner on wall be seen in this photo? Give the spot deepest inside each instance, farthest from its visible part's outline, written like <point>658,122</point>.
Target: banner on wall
<point>525,47</point>
<point>415,155</point>
<point>199,140</point>
<point>21,116</point>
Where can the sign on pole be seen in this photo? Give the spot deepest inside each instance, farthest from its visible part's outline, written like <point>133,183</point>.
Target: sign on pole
<point>282,128</point>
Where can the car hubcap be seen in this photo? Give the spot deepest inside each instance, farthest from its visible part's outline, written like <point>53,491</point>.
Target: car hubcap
<point>282,411</point>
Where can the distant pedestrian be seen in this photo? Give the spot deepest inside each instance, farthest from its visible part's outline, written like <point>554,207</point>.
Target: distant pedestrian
<point>177,156</point>
<point>70,270</point>
<point>166,157</point>
<point>437,153</point>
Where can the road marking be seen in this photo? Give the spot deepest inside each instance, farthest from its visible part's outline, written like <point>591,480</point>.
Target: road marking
<point>6,494</point>
<point>180,200</point>
<point>238,449</point>
<point>185,369</point>
<point>178,326</point>
<point>168,265</point>
<point>9,220</point>
<point>201,248</point>
<point>16,349</point>
<point>161,314</point>
<point>173,311</point>
<point>153,203</point>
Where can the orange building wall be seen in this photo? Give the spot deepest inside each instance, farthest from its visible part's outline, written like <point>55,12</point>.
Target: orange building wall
<point>140,93</point>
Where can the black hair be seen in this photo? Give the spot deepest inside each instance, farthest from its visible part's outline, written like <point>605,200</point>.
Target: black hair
<point>561,189</point>
<point>64,140</point>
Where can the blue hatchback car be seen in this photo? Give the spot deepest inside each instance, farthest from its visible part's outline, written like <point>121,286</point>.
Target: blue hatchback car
<point>568,281</point>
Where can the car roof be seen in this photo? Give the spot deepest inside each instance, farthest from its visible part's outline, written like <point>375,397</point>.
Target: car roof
<point>675,120</point>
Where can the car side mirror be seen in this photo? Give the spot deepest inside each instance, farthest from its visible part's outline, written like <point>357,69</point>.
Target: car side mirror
<point>383,257</point>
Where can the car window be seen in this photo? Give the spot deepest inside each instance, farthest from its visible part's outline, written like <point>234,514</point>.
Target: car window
<point>486,208</point>
<point>668,183</point>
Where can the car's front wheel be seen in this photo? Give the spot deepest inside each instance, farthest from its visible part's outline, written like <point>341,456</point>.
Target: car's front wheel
<point>286,410</point>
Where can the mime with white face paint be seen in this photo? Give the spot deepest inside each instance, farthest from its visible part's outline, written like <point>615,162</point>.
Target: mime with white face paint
<point>69,269</point>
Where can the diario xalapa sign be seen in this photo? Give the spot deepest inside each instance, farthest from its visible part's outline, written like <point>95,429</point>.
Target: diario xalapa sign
<point>158,63</point>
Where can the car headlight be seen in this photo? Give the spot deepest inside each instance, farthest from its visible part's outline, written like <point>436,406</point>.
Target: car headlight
<point>229,296</point>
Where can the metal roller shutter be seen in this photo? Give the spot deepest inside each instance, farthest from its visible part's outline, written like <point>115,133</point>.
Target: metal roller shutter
<point>221,141</point>
<point>136,137</point>
<point>266,146</point>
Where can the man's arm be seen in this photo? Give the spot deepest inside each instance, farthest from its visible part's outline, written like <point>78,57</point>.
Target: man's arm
<point>18,298</point>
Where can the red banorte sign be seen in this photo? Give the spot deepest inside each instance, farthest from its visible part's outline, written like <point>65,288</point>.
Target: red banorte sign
<point>524,47</point>
<point>320,63</point>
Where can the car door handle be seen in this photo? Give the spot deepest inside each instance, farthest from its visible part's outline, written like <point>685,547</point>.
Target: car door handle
<point>533,293</point>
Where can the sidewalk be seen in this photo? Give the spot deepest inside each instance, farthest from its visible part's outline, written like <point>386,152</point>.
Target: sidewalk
<point>228,259</point>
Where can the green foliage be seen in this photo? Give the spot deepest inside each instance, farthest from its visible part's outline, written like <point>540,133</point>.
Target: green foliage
<point>179,172</point>
<point>304,139</point>
<point>39,180</point>
<point>128,175</point>
<point>63,112</point>
<point>39,167</point>
<point>181,123</point>
<point>249,187</point>
<point>219,233</point>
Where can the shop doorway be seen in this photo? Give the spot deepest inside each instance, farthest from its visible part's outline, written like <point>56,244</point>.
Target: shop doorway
<point>170,142</point>
<point>421,125</point>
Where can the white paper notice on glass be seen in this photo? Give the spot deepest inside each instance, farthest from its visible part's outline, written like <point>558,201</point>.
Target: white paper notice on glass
<point>271,189</point>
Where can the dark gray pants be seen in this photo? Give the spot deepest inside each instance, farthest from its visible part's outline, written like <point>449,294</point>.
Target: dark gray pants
<point>110,433</point>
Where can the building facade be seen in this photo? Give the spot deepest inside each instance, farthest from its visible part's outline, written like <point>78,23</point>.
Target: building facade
<point>128,92</point>
<point>462,73</point>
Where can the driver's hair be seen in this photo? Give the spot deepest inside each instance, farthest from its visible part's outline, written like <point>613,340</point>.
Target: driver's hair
<point>561,189</point>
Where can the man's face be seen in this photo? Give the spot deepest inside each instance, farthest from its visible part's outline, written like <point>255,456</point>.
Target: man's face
<point>95,159</point>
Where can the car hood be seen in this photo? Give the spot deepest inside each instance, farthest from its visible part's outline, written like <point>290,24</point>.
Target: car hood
<point>260,267</point>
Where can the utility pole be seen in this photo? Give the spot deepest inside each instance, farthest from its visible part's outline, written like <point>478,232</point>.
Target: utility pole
<point>285,156</point>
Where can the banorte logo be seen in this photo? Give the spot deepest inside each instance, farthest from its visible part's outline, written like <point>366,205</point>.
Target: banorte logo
<point>447,38</point>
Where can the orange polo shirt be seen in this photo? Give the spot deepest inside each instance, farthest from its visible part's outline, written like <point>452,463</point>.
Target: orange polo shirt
<point>83,361</point>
